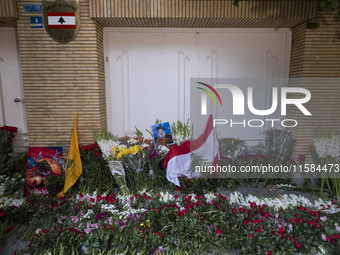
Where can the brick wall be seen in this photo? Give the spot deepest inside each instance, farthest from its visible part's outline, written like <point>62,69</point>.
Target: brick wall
<point>316,54</point>
<point>62,79</point>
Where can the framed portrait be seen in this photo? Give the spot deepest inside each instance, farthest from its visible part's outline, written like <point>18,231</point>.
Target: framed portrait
<point>162,134</point>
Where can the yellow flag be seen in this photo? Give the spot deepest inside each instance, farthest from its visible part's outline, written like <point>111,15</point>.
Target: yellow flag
<point>73,165</point>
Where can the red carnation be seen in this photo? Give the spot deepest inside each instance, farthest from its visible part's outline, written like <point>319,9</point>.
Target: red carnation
<point>266,214</point>
<point>219,231</point>
<point>184,212</point>
<point>158,233</point>
<point>8,128</point>
<point>9,229</point>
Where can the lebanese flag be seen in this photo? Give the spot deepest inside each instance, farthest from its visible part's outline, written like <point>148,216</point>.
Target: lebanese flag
<point>178,161</point>
<point>61,20</point>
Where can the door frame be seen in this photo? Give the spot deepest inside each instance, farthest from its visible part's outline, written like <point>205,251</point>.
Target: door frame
<point>108,30</point>
<point>20,142</point>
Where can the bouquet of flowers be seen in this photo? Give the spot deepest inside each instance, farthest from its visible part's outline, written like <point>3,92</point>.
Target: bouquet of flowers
<point>133,157</point>
<point>120,152</point>
<point>107,142</point>
<point>181,131</point>
<point>326,148</point>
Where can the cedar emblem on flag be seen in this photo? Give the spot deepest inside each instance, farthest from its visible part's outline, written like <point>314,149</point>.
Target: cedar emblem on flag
<point>73,165</point>
<point>61,19</point>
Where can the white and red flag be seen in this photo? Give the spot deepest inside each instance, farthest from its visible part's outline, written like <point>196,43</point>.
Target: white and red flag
<point>61,20</point>
<point>178,160</point>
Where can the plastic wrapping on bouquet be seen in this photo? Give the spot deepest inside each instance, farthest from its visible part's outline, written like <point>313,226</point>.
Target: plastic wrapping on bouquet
<point>116,167</point>
<point>118,172</point>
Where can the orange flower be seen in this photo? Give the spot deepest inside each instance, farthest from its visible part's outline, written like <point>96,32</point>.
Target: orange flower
<point>312,148</point>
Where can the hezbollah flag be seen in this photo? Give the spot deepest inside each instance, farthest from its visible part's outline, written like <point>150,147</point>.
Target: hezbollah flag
<point>73,165</point>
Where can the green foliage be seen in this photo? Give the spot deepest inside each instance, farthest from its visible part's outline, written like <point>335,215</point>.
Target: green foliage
<point>12,185</point>
<point>138,132</point>
<point>197,186</point>
<point>327,144</point>
<point>6,138</point>
<point>68,240</point>
<point>152,175</point>
<point>158,122</point>
<point>96,175</point>
<point>55,184</point>
<point>182,225</point>
<point>181,131</point>
<point>12,168</point>
<point>139,180</point>
<point>231,147</point>
<point>103,135</point>
<point>279,145</point>
<point>8,163</point>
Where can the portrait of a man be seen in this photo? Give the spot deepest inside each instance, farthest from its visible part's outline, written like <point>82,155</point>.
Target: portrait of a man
<point>162,134</point>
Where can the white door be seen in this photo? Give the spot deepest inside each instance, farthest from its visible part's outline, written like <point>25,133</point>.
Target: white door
<point>256,58</point>
<point>148,75</point>
<point>12,108</point>
<point>148,71</point>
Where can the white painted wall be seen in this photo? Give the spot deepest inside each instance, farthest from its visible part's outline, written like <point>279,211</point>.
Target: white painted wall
<point>148,71</point>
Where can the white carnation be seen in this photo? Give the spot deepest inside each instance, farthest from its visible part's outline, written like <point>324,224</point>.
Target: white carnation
<point>106,147</point>
<point>328,146</point>
<point>132,141</point>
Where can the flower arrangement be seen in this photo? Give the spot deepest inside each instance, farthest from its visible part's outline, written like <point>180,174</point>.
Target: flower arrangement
<point>152,222</point>
<point>123,153</point>
<point>133,161</point>
<point>279,145</point>
<point>10,129</point>
<point>181,131</point>
<point>133,157</point>
<point>8,163</point>
<point>97,221</point>
<point>232,148</point>
<point>328,146</point>
<point>95,171</point>
<point>326,152</point>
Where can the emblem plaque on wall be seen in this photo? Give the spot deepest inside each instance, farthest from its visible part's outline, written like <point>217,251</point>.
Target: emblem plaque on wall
<point>61,19</point>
